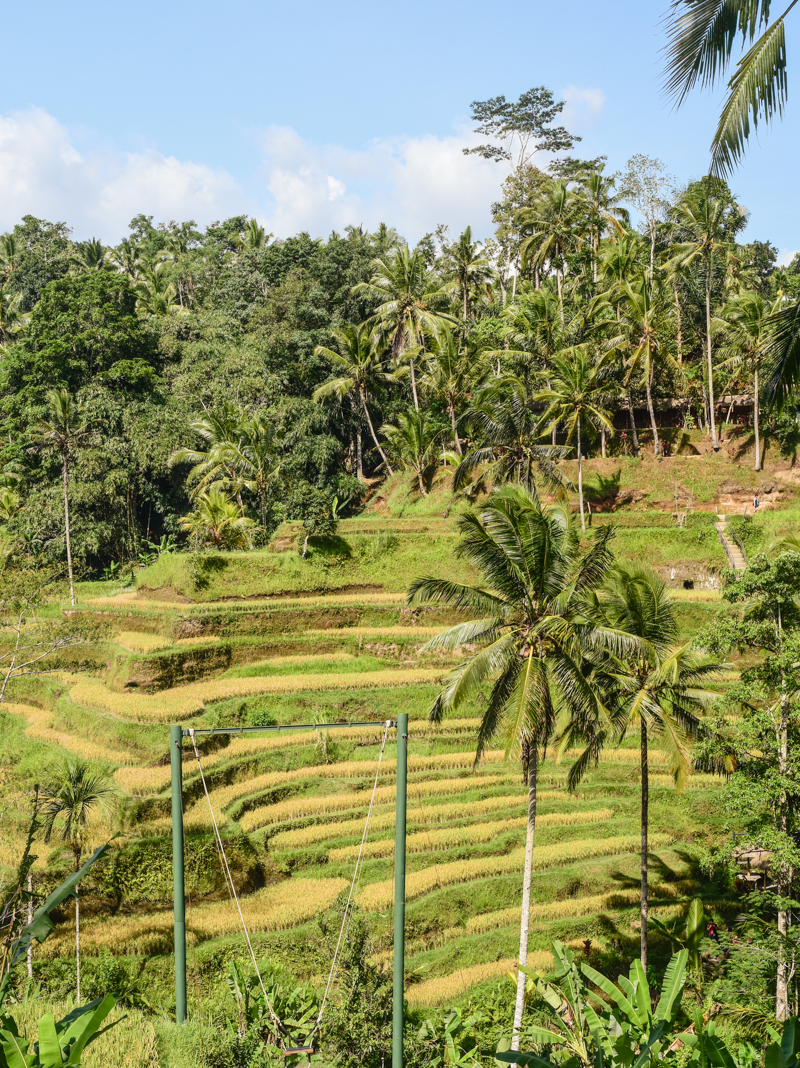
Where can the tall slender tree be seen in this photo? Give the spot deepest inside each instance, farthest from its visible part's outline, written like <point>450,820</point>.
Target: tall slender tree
<point>62,430</point>
<point>71,798</point>
<point>361,372</point>
<point>657,688</point>
<point>407,313</point>
<point>576,398</point>
<point>532,633</point>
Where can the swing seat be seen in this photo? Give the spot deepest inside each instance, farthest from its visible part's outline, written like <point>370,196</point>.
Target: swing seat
<point>308,1050</point>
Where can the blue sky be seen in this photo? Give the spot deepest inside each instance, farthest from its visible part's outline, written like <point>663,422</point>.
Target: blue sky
<point>313,115</point>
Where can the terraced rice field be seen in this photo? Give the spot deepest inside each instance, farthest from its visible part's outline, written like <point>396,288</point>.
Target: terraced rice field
<point>292,805</point>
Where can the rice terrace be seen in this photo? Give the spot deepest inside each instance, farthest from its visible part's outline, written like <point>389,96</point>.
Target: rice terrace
<point>400,639</point>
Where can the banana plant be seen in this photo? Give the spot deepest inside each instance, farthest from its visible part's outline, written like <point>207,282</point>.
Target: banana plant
<point>685,934</point>
<point>61,1042</point>
<point>455,1045</point>
<point>708,1048</point>
<point>784,1050</point>
<point>623,1032</point>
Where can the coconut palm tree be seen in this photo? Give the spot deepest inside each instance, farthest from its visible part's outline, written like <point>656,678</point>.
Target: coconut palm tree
<point>71,798</point>
<point>748,325</point>
<point>91,255</point>
<point>222,433</point>
<point>472,271</point>
<point>531,632</point>
<point>702,38</point>
<point>12,319</point>
<point>701,217</point>
<point>9,256</point>
<point>155,291</point>
<point>406,314</point>
<point>127,256</point>
<point>62,431</point>
<point>361,371</point>
<point>505,423</point>
<point>414,442</point>
<point>217,521</point>
<point>599,198</point>
<point>450,375</point>
<point>657,688</point>
<point>643,309</point>
<point>254,458</point>
<point>253,237</point>
<point>576,398</point>
<point>549,225</point>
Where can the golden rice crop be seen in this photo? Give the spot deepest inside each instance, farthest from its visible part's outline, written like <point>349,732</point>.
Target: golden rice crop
<point>298,807</point>
<point>319,832</point>
<point>140,642</point>
<point>697,780</point>
<point>346,769</point>
<point>379,896</point>
<point>445,988</point>
<point>181,702</point>
<point>39,729</point>
<point>579,906</point>
<point>198,639</point>
<point>375,632</point>
<point>272,909</point>
<point>448,837</point>
<point>157,778</point>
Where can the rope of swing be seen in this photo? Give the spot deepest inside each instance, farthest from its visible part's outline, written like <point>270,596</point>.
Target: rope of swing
<point>232,891</point>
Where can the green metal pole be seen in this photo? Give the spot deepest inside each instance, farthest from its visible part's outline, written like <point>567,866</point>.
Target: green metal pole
<point>178,889</point>
<point>399,892</point>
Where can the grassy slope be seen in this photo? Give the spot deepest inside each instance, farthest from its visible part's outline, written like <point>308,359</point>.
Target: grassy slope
<point>347,629</point>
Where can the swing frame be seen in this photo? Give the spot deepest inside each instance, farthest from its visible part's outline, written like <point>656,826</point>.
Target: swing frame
<point>176,735</point>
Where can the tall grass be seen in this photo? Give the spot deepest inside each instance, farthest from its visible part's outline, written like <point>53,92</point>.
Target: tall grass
<point>379,896</point>
<point>449,837</point>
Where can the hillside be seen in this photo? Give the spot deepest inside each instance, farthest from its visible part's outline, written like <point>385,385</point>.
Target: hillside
<point>267,637</point>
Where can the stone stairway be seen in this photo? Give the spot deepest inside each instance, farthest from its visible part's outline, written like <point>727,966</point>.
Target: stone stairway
<point>734,553</point>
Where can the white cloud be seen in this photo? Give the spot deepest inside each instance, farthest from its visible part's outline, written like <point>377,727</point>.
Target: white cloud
<point>583,107</point>
<point>97,193</point>
<point>411,183</point>
<point>785,256</point>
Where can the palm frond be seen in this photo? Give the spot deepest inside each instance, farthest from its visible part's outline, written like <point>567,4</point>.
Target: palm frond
<point>757,91</point>
<point>783,355</point>
<point>701,35</point>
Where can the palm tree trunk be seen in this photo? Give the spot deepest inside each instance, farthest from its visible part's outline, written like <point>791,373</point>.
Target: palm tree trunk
<point>519,1007</point>
<point>679,338</point>
<point>755,418</point>
<point>78,943</point>
<point>65,478</point>
<point>560,295</point>
<point>455,428</point>
<point>580,477</point>
<point>784,881</point>
<point>633,421</point>
<point>708,345</point>
<point>652,414</point>
<point>30,920</point>
<point>359,456</point>
<point>414,386</point>
<point>603,441</point>
<point>645,815</point>
<point>422,489</point>
<point>386,463</point>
